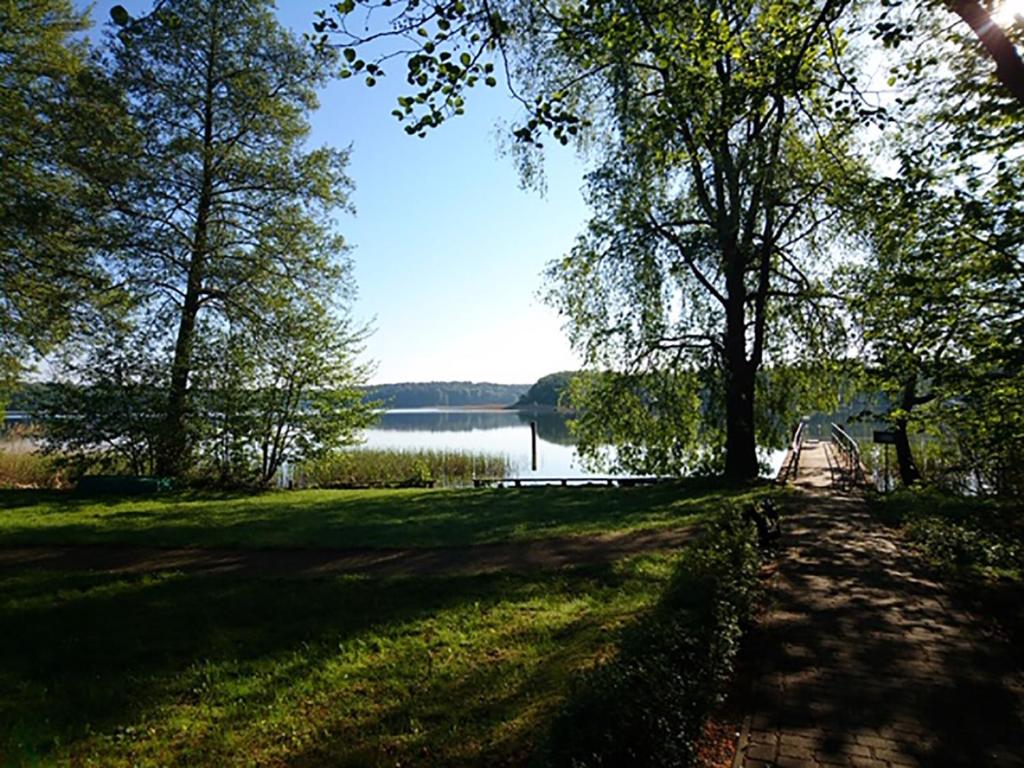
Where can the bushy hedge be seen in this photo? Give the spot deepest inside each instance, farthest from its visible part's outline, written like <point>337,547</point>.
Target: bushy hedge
<point>648,705</point>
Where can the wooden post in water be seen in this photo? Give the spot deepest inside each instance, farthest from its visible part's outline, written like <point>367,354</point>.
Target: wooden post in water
<point>533,445</point>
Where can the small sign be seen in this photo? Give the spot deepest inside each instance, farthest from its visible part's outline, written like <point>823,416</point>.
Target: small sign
<point>885,436</point>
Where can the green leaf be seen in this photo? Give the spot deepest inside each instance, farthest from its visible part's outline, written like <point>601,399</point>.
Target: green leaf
<point>466,59</point>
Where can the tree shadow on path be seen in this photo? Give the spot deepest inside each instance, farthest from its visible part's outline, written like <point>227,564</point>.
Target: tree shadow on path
<point>864,658</point>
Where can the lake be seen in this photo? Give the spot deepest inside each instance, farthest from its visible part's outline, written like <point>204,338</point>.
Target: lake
<point>492,431</point>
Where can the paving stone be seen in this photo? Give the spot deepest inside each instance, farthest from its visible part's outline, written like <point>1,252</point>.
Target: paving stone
<point>863,660</point>
<point>795,762</point>
<point>761,752</point>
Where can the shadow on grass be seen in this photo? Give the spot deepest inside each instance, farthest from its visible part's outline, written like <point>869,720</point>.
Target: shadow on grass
<point>93,654</point>
<point>392,518</point>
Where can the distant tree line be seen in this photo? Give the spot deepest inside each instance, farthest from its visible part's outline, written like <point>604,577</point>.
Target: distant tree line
<point>551,391</point>
<point>443,393</point>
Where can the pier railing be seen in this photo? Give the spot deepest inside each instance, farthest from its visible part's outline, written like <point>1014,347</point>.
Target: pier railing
<point>792,463</point>
<point>849,452</point>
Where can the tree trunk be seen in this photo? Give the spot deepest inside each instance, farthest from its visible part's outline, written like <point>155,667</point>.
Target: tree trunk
<point>175,453</point>
<point>904,456</point>
<point>175,443</point>
<point>740,438</point>
<point>1009,66</point>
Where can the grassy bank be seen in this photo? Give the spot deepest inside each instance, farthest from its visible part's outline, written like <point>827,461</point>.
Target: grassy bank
<point>976,543</point>
<point>363,467</point>
<point>370,518</point>
<point>177,670</point>
<point>23,468</point>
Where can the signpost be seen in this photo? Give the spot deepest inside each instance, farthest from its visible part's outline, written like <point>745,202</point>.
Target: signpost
<point>885,437</point>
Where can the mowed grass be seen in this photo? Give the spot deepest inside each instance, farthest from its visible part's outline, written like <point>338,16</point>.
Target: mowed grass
<point>176,670</point>
<point>349,518</point>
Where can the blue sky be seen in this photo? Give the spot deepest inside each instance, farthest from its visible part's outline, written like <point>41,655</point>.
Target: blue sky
<point>448,249</point>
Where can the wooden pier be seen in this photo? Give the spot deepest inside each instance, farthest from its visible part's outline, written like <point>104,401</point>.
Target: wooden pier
<point>610,482</point>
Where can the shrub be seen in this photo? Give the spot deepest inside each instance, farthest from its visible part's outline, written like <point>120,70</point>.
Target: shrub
<point>648,705</point>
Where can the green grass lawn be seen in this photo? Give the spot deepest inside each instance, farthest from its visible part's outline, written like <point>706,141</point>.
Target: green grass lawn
<point>372,518</point>
<point>170,669</point>
<point>175,670</point>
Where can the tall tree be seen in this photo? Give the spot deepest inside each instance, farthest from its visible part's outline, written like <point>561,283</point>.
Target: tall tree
<point>938,297</point>
<point>232,213</point>
<point>717,127</point>
<point>915,299</point>
<point>60,125</point>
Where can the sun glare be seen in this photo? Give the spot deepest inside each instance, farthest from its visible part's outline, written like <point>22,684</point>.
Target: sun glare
<point>1007,12</point>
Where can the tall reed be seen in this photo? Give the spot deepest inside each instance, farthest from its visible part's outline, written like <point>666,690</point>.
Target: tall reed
<point>23,469</point>
<point>363,466</point>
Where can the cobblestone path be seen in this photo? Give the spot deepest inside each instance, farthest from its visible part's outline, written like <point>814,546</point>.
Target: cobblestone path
<point>862,660</point>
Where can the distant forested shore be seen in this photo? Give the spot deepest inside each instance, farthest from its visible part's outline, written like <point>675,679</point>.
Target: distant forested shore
<point>434,394</point>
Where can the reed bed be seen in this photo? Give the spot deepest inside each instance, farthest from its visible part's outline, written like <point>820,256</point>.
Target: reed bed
<point>370,467</point>
<point>23,469</point>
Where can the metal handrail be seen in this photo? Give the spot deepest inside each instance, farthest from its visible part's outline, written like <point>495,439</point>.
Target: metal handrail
<point>795,446</point>
<point>849,449</point>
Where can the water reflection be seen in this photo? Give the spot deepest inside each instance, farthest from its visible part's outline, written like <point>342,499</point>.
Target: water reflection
<point>552,427</point>
<point>482,431</point>
<point>497,432</point>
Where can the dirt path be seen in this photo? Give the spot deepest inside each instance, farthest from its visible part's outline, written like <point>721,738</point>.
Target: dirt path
<point>864,661</point>
<point>520,557</point>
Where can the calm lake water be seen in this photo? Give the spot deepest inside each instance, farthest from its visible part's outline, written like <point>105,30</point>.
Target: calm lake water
<point>501,432</point>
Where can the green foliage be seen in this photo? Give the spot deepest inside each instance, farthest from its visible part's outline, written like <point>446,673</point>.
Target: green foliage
<point>287,393</point>
<point>232,214</point>
<point>938,304</point>
<point>673,422</point>
<point>61,126</point>
<point>231,351</point>
<point>647,706</point>
<point>960,534</point>
<point>105,417</point>
<point>362,467</point>
<point>649,418</point>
